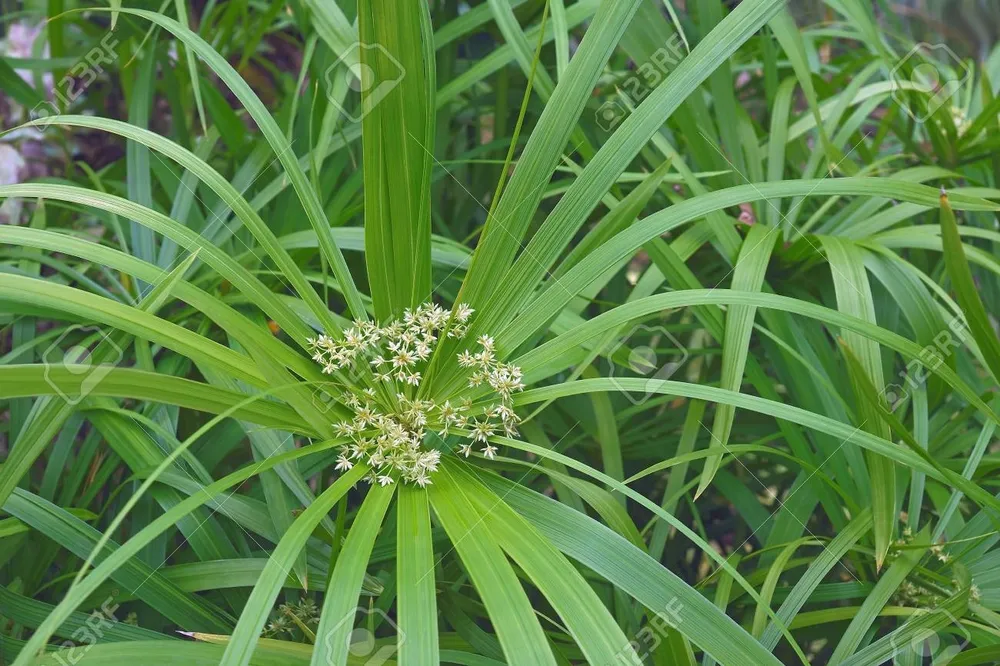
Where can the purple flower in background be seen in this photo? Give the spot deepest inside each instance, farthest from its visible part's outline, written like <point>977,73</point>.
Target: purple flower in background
<point>12,170</point>
<point>20,43</point>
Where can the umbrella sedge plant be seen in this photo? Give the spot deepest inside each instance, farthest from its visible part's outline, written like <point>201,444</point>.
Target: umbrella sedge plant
<point>699,371</point>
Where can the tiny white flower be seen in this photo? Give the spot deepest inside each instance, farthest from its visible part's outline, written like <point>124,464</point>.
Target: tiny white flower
<point>482,430</point>
<point>403,359</point>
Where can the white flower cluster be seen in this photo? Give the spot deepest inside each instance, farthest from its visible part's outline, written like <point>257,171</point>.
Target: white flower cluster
<point>961,120</point>
<point>393,350</point>
<point>388,442</point>
<point>388,428</point>
<point>503,378</point>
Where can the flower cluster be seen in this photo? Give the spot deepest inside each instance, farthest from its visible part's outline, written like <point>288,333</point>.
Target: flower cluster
<point>940,553</point>
<point>961,120</point>
<point>384,364</point>
<point>289,619</point>
<point>911,594</point>
<point>393,350</point>
<point>503,378</point>
<point>388,442</point>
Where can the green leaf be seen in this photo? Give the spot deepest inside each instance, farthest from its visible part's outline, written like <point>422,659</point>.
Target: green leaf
<point>417,607</point>
<point>632,570</point>
<point>582,611</point>
<point>660,513</point>
<point>21,92</point>
<point>748,276</point>
<point>623,245</point>
<point>245,636</point>
<point>220,260</point>
<point>612,158</point>
<point>509,221</point>
<point>247,215</point>
<point>887,585</point>
<point>921,624</point>
<point>336,623</point>
<point>33,380</point>
<point>803,417</point>
<point>509,609</point>
<point>283,151</point>
<point>966,290</point>
<point>854,297</point>
<point>188,611</point>
<point>398,121</point>
<point>818,570</point>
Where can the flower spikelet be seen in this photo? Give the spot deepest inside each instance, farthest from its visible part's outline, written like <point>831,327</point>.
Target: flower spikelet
<point>386,366</point>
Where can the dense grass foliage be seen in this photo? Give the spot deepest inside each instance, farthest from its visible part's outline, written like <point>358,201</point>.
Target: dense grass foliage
<point>503,332</point>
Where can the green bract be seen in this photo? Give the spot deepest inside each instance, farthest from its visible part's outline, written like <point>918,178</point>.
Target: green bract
<point>500,332</point>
